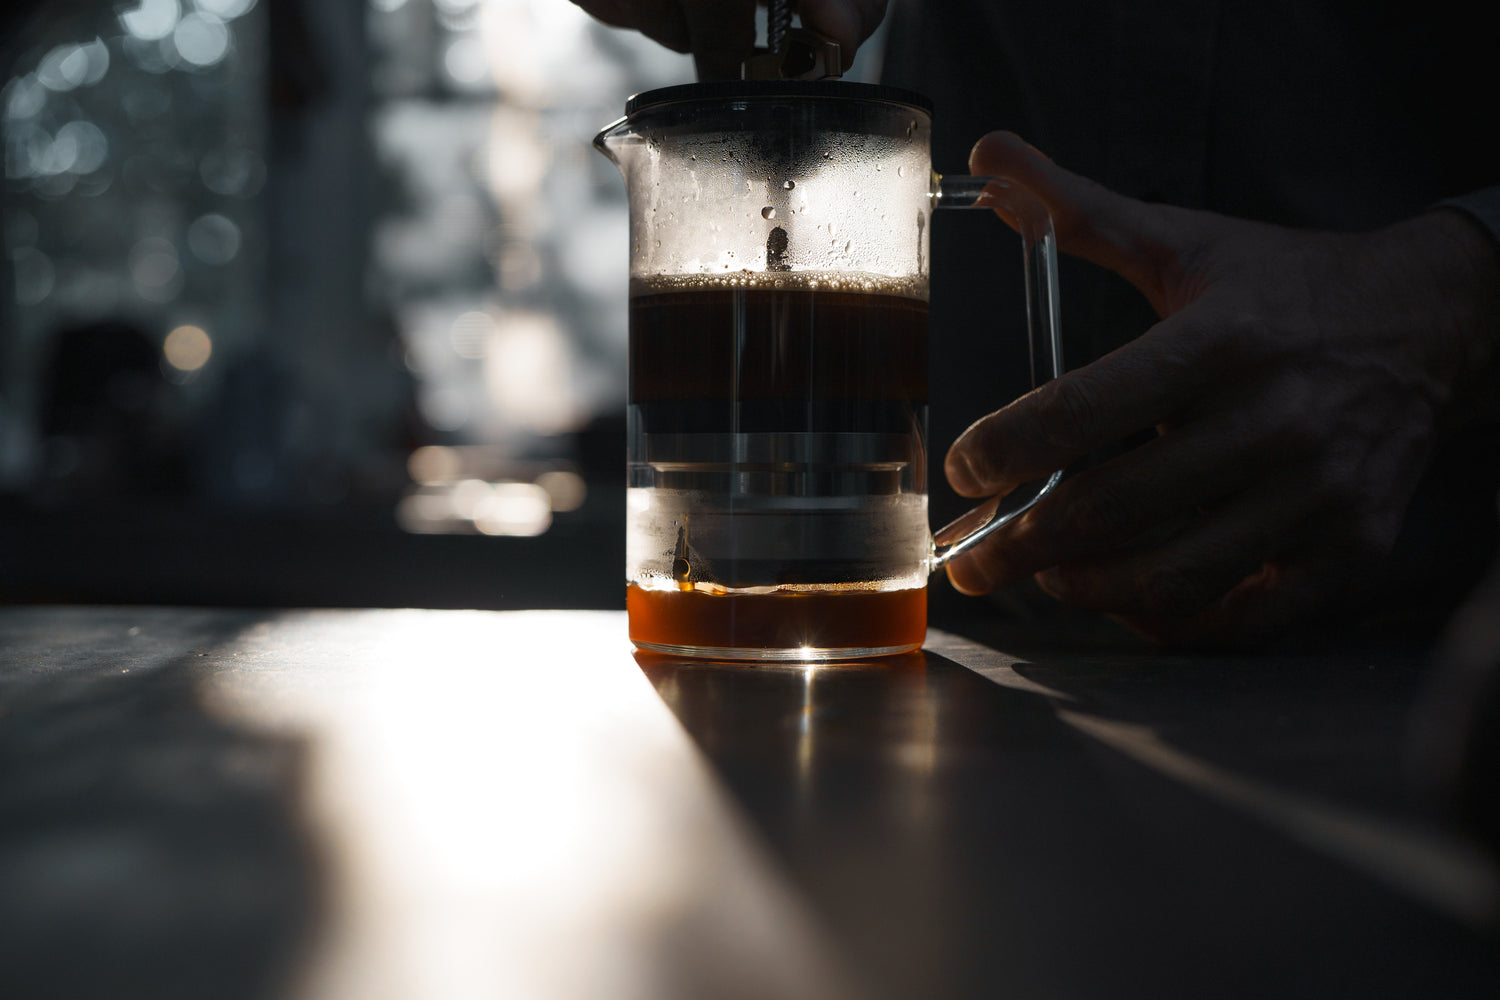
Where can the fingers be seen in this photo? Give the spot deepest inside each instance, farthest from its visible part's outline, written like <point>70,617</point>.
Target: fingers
<point>1266,605</point>
<point>1096,515</point>
<point>1133,388</point>
<point>1179,576</point>
<point>1139,241</point>
<point>721,33</point>
<point>1100,513</point>
<point>848,22</point>
<point>1237,575</point>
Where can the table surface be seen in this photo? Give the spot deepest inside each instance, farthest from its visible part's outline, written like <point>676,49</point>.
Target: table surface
<point>199,802</point>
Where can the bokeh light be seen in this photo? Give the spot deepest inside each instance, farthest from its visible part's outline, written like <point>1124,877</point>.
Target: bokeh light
<point>565,488</point>
<point>433,465</point>
<point>214,239</point>
<point>86,147</point>
<point>467,64</point>
<point>225,10</point>
<point>471,334</point>
<point>34,275</point>
<point>232,170</point>
<point>187,348</point>
<point>152,20</point>
<point>25,97</point>
<point>201,40</point>
<point>529,373</point>
<point>68,67</point>
<point>519,509</point>
<point>155,269</point>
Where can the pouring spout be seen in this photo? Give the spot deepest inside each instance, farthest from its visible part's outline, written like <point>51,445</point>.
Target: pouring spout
<point>613,138</point>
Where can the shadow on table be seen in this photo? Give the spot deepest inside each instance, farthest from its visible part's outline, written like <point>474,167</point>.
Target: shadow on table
<point>1332,716</point>
<point>146,848</point>
<point>961,839</point>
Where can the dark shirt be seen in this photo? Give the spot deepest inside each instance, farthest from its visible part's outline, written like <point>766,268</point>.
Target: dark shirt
<point>1338,115</point>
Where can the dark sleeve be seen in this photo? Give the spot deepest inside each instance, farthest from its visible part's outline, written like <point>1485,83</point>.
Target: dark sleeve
<point>1483,206</point>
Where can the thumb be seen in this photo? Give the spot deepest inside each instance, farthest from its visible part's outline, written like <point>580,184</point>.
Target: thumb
<point>1135,239</point>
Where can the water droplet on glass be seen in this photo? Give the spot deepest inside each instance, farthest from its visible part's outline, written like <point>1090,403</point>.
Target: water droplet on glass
<point>900,171</point>
<point>776,244</point>
<point>768,212</point>
<point>789,185</point>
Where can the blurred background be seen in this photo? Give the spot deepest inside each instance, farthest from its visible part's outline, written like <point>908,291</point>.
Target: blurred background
<point>314,301</point>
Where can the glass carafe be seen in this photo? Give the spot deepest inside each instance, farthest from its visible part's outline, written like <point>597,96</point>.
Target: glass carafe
<point>777,423</point>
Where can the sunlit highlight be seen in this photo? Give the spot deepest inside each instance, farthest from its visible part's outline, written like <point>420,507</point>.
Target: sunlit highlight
<point>510,811</point>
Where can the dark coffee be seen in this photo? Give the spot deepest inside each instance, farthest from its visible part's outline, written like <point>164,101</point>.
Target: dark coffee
<point>777,465</point>
<point>777,359</point>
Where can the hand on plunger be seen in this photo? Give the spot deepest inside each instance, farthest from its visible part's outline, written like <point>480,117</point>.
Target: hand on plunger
<point>1298,383</point>
<point>721,33</point>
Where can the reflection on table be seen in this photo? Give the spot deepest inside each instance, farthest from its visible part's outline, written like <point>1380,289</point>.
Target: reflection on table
<point>455,804</point>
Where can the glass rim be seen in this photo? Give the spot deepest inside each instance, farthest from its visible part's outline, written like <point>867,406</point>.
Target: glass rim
<point>772,90</point>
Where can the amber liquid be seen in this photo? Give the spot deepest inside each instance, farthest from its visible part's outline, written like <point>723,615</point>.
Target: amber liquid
<point>777,478</point>
<point>853,623</point>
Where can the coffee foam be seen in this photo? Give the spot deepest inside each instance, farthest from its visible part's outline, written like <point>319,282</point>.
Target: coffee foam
<point>912,287</point>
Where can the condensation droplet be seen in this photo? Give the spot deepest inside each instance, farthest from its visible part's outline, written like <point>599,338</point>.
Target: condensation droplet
<point>789,185</point>
<point>768,212</point>
<point>900,171</point>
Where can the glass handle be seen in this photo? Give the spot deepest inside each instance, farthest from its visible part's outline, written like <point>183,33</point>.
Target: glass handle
<point>1029,217</point>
